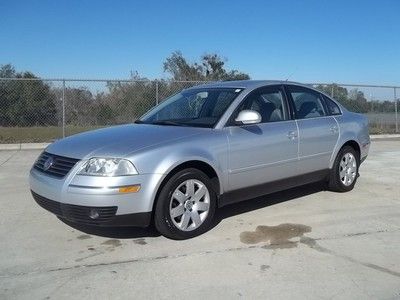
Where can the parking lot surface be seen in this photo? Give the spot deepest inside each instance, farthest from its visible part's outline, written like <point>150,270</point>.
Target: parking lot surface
<point>304,243</point>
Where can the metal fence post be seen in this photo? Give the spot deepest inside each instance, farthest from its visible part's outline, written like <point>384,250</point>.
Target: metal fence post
<point>395,109</point>
<point>156,92</point>
<point>63,109</point>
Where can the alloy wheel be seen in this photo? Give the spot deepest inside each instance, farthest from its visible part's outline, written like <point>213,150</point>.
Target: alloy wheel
<point>348,169</point>
<point>189,205</point>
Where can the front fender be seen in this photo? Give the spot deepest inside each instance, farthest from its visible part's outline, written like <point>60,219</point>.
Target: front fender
<point>162,159</point>
<point>173,160</point>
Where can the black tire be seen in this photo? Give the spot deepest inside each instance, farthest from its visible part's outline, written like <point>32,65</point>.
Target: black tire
<point>162,218</point>
<point>335,183</point>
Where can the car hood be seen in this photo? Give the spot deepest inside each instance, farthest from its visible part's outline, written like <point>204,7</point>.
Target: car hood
<point>119,141</point>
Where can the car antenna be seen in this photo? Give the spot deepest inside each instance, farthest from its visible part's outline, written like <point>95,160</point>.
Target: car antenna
<point>289,76</point>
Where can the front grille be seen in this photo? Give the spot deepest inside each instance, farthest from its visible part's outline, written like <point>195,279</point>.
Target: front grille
<point>59,168</point>
<point>77,213</point>
<point>52,206</point>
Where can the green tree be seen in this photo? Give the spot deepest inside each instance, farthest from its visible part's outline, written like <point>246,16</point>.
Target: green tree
<point>25,102</point>
<point>129,100</point>
<point>105,115</point>
<point>7,71</point>
<point>357,101</point>
<point>79,103</point>
<point>335,91</point>
<point>353,100</point>
<point>214,69</point>
<point>210,68</point>
<point>181,70</point>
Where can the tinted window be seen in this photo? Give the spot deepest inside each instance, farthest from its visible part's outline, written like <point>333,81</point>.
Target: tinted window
<point>333,108</point>
<point>268,102</point>
<point>307,103</point>
<point>195,107</point>
<point>223,100</point>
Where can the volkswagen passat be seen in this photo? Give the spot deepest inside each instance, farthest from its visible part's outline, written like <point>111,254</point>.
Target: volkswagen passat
<point>201,149</point>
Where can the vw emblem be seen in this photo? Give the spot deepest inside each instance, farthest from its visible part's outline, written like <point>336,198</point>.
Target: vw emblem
<point>48,163</point>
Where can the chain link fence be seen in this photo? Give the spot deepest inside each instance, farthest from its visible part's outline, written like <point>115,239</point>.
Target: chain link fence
<point>43,110</point>
<point>378,103</point>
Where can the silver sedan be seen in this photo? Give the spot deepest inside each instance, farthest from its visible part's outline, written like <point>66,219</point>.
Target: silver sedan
<point>201,149</point>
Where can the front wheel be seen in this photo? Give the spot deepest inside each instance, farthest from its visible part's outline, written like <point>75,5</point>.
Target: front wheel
<point>345,170</point>
<point>185,206</point>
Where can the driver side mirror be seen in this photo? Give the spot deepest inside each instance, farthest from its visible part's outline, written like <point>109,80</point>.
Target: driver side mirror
<point>247,116</point>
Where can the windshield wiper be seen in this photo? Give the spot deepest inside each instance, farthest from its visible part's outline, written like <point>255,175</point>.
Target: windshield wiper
<point>167,122</point>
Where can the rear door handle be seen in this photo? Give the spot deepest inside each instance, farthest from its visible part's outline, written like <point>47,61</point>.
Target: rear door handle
<point>334,129</point>
<point>292,135</point>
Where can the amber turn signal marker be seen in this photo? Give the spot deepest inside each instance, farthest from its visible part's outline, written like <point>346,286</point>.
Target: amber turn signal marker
<point>130,189</point>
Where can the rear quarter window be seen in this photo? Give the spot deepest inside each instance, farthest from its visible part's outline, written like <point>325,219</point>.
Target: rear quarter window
<point>333,108</point>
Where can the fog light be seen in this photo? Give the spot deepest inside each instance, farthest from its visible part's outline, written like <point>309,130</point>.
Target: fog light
<point>93,214</point>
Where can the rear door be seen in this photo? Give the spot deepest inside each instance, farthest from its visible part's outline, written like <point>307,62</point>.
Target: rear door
<point>318,130</point>
<point>267,151</point>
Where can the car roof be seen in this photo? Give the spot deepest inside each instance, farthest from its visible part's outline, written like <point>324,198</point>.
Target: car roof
<point>254,84</point>
<point>244,84</point>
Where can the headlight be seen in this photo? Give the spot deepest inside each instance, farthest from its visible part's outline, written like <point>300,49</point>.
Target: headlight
<point>108,167</point>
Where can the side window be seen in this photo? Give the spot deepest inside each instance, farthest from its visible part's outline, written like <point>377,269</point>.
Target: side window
<point>333,108</point>
<point>307,102</point>
<point>222,102</point>
<point>268,102</point>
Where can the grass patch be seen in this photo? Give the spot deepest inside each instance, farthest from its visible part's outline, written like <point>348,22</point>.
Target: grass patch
<point>12,135</point>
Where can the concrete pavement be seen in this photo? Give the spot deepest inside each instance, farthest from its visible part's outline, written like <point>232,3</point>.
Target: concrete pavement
<point>303,243</point>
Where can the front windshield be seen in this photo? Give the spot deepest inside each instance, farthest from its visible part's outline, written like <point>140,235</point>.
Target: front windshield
<point>201,107</point>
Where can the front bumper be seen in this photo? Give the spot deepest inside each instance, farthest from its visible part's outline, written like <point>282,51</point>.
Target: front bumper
<point>74,197</point>
<point>104,216</point>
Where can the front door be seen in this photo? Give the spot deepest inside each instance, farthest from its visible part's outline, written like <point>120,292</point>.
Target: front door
<point>267,151</point>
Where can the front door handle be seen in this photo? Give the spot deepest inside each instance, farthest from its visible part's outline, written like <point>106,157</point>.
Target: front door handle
<point>292,135</point>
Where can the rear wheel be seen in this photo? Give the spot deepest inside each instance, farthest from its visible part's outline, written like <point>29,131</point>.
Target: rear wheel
<point>186,205</point>
<point>344,173</point>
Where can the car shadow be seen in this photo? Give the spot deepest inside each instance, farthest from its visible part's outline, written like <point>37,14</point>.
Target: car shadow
<point>125,232</point>
<point>267,200</point>
<point>221,214</point>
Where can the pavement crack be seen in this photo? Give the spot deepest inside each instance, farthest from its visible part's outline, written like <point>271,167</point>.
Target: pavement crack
<point>11,156</point>
<point>314,245</point>
<point>310,242</point>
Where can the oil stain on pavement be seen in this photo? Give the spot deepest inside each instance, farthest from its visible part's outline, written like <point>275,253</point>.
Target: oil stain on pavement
<point>84,237</point>
<point>112,242</point>
<point>140,241</point>
<point>264,267</point>
<point>278,236</point>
